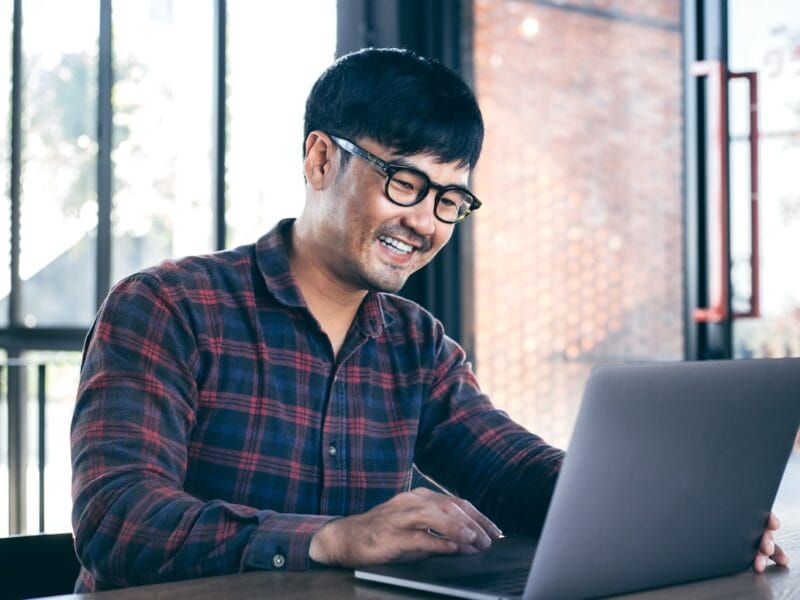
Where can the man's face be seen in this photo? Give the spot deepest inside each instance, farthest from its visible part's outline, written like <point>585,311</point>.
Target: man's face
<point>375,244</point>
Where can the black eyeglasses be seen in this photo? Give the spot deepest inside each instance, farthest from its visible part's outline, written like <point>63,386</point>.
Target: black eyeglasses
<point>407,186</point>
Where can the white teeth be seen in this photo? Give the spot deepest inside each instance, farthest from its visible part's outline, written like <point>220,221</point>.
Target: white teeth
<point>397,245</point>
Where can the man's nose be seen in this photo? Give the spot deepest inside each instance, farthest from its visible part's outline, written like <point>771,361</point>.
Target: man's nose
<point>420,217</point>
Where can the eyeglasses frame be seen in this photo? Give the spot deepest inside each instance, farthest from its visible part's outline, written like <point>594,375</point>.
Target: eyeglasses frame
<point>390,169</point>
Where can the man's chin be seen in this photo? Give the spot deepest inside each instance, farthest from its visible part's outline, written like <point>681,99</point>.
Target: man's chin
<point>388,285</point>
<point>386,288</point>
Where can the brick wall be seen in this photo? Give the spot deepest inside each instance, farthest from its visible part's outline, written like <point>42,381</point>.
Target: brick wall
<point>578,248</point>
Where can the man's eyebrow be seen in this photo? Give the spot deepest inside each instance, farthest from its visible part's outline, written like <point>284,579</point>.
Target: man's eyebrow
<point>401,161</point>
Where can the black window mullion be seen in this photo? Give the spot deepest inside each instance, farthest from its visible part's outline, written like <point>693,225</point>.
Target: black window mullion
<point>16,164</point>
<point>17,465</point>
<point>105,81</point>
<point>220,119</point>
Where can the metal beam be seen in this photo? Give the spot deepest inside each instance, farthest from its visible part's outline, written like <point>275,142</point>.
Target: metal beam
<point>16,164</point>
<point>105,82</point>
<point>17,456</point>
<point>19,339</point>
<point>17,466</point>
<point>220,117</point>
<point>41,393</point>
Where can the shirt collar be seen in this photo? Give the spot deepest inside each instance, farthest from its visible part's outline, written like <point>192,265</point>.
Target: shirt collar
<point>273,261</point>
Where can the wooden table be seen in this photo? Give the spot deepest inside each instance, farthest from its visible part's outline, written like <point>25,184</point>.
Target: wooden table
<point>776,584</point>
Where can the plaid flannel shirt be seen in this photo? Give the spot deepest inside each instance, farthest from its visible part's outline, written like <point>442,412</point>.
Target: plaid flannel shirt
<point>215,431</point>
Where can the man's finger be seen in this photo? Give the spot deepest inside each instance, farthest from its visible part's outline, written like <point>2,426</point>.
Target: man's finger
<point>422,541</point>
<point>492,530</point>
<point>780,557</point>
<point>456,527</point>
<point>773,522</point>
<point>462,548</point>
<point>451,504</point>
<point>423,492</point>
<point>767,545</point>
<point>485,522</point>
<point>454,508</point>
<point>447,515</point>
<point>759,563</point>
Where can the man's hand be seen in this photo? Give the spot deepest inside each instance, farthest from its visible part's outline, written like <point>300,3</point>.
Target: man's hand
<point>411,525</point>
<point>768,549</point>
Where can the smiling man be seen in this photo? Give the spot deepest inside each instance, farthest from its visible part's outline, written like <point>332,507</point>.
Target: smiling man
<point>262,407</point>
<point>347,242</point>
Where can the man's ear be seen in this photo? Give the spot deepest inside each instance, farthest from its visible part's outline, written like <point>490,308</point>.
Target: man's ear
<point>321,161</point>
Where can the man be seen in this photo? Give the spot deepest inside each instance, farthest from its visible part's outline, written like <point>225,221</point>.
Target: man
<point>261,408</point>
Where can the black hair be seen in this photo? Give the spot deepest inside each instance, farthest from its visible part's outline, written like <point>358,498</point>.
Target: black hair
<point>401,100</point>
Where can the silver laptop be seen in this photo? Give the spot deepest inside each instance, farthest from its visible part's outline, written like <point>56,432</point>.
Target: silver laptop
<point>670,476</point>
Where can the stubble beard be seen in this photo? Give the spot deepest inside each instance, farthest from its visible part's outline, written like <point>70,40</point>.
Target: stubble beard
<point>379,282</point>
<point>389,278</point>
<point>379,276</point>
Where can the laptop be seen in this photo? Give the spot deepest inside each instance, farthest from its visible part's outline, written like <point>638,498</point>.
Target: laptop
<point>670,476</point>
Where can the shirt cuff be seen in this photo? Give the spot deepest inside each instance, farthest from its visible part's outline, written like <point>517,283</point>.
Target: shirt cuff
<point>281,542</point>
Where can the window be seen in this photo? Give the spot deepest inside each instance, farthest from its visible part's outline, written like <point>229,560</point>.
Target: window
<point>163,132</point>
<point>58,199</point>
<point>272,68</point>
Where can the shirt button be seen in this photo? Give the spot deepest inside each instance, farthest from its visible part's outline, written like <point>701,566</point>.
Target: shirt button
<point>332,450</point>
<point>278,561</point>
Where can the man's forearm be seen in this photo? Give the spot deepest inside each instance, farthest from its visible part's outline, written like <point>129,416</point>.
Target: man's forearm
<point>134,533</point>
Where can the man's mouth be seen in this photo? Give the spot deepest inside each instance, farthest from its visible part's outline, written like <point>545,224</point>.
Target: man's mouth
<point>395,245</point>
